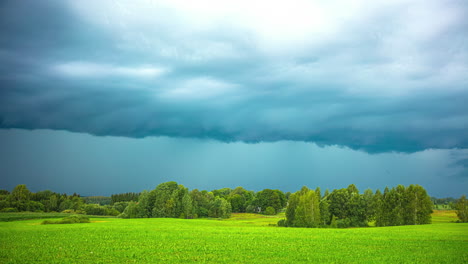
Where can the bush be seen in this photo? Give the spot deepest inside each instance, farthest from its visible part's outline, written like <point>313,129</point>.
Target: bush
<point>282,222</point>
<point>9,210</point>
<point>270,211</point>
<point>343,223</point>
<point>111,211</point>
<point>95,209</point>
<point>74,219</point>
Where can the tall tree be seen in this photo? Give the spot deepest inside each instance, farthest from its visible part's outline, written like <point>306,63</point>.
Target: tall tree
<point>20,193</point>
<point>462,209</point>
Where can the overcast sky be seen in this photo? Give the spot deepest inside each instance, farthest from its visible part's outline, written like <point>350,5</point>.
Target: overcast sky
<point>224,93</point>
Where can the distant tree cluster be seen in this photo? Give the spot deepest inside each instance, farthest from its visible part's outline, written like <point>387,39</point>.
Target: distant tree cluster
<point>21,199</point>
<point>124,197</point>
<point>348,208</point>
<point>345,207</point>
<point>101,200</point>
<point>170,199</point>
<point>444,203</point>
<point>403,206</point>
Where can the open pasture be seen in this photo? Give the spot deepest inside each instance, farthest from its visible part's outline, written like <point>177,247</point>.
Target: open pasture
<point>244,238</point>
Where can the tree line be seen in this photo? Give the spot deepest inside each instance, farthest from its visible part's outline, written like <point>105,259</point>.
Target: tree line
<point>348,208</point>
<point>345,207</point>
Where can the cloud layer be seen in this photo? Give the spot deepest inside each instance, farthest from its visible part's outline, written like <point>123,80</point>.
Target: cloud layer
<point>366,75</point>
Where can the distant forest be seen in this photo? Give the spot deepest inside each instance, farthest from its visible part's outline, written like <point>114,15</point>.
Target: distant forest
<point>345,207</point>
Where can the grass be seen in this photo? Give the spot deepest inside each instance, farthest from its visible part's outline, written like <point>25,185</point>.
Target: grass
<point>244,238</point>
<point>6,217</point>
<point>444,216</point>
<point>73,219</point>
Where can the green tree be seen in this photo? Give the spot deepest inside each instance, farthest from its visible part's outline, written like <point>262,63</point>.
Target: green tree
<point>220,208</point>
<point>339,203</point>
<point>131,211</point>
<point>270,211</point>
<point>201,201</point>
<point>187,205</point>
<point>462,209</point>
<point>20,193</point>
<point>370,207</point>
<point>291,209</point>
<point>308,210</point>
<point>145,205</point>
<point>164,200</point>
<point>303,209</point>
<point>268,197</point>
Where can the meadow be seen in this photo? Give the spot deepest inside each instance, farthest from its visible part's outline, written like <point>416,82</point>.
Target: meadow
<point>243,238</point>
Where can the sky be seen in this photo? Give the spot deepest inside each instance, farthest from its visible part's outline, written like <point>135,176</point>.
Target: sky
<point>101,97</point>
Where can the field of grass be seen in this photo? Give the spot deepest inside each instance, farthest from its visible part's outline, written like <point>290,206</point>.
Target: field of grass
<point>444,216</point>
<point>244,238</point>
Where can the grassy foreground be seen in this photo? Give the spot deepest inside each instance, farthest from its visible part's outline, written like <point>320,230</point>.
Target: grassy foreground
<point>245,238</point>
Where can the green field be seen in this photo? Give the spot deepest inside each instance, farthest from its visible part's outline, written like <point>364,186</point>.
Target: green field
<point>244,238</point>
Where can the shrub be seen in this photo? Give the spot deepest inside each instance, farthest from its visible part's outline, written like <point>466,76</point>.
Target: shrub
<point>95,209</point>
<point>270,211</point>
<point>282,222</point>
<point>74,219</point>
<point>9,210</point>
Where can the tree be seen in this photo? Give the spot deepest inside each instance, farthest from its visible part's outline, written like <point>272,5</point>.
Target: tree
<point>308,210</point>
<point>268,197</point>
<point>187,206</point>
<point>201,202</point>
<point>403,206</point>
<point>20,193</point>
<point>303,209</point>
<point>240,199</point>
<point>324,212</point>
<point>120,206</point>
<point>220,208</point>
<point>164,200</point>
<point>291,209</point>
<point>339,201</point>
<point>131,211</point>
<point>145,205</point>
<point>462,209</point>
<point>270,211</point>
<point>368,197</point>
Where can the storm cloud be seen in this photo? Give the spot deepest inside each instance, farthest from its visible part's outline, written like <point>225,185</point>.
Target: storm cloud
<point>366,75</point>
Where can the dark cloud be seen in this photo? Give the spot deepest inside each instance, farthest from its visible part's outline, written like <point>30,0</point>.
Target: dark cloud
<point>122,70</point>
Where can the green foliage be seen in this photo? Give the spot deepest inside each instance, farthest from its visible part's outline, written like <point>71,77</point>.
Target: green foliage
<point>282,222</point>
<point>403,206</point>
<point>96,209</point>
<point>124,197</point>
<point>268,197</point>
<point>20,193</point>
<point>9,210</point>
<point>240,199</point>
<point>303,209</point>
<point>74,219</point>
<point>165,200</point>
<point>201,202</point>
<point>222,193</point>
<point>462,209</point>
<point>120,206</point>
<point>220,208</point>
<point>101,200</point>
<point>131,211</point>
<point>270,211</point>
